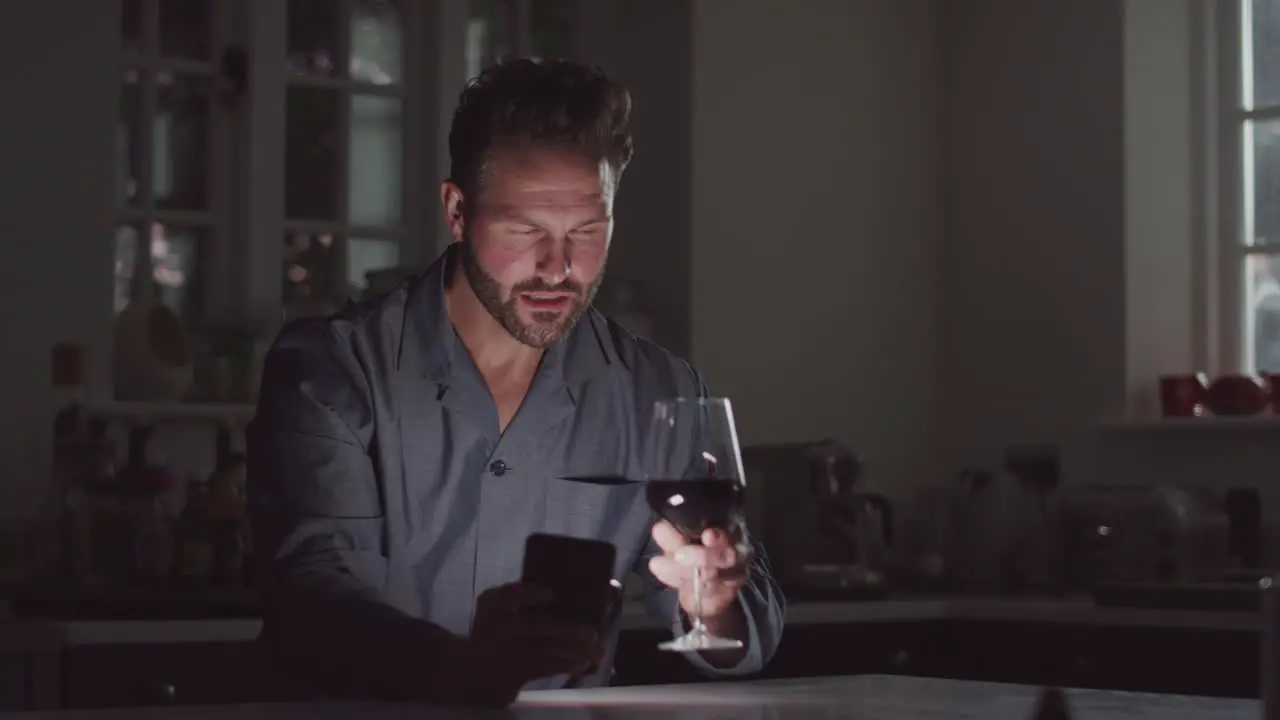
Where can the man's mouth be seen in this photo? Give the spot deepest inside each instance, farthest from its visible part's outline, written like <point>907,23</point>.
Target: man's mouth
<point>547,301</point>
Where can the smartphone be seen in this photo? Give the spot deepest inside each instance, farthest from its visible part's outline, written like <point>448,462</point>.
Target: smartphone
<point>579,574</point>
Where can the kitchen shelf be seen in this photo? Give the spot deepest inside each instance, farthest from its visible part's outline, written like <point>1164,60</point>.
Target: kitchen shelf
<point>1208,423</point>
<point>234,414</point>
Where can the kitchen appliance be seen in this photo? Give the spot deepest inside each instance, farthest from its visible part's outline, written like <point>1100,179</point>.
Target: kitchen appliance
<point>826,534</point>
<point>1134,534</point>
<point>1002,535</point>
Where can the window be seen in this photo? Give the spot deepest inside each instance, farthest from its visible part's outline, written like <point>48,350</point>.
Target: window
<point>1250,187</point>
<point>171,134</point>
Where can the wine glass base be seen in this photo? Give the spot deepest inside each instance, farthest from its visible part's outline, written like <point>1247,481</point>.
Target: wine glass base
<point>695,641</point>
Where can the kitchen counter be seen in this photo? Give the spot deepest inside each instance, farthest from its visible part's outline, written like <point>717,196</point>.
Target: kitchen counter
<point>27,634</point>
<point>863,697</point>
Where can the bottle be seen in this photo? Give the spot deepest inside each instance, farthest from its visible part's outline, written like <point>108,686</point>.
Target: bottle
<point>63,502</point>
<point>226,511</point>
<point>143,484</point>
<point>70,363</point>
<point>193,555</point>
<point>90,495</point>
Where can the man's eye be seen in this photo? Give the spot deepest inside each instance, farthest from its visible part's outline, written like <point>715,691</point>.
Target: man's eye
<point>588,233</point>
<point>527,230</point>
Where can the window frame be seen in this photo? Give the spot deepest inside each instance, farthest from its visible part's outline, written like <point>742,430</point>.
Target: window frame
<point>1227,196</point>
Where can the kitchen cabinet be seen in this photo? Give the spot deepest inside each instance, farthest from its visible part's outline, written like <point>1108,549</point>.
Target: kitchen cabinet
<point>1220,663</point>
<point>1193,661</point>
<point>204,673</point>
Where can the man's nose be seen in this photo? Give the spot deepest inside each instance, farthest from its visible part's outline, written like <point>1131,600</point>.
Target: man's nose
<point>553,262</point>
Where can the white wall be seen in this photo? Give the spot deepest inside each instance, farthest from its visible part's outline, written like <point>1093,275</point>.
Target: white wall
<point>814,223</point>
<point>1162,113</point>
<point>1031,254</point>
<point>55,214</point>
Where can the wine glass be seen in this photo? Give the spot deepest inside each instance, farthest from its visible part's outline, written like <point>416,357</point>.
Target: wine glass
<point>696,484</point>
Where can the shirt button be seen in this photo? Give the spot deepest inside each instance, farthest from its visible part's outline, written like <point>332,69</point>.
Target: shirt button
<point>497,467</point>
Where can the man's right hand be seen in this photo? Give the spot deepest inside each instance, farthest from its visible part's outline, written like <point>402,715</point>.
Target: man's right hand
<point>509,647</point>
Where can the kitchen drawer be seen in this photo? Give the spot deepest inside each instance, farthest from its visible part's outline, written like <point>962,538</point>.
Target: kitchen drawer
<point>164,674</point>
<point>13,682</point>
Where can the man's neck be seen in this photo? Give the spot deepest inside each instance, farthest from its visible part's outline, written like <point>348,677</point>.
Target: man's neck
<point>495,352</point>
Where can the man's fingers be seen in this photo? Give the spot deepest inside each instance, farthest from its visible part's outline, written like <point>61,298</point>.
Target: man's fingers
<point>669,572</point>
<point>668,537</point>
<point>550,647</point>
<point>672,573</point>
<point>708,558</point>
<point>715,539</point>
<point>511,598</point>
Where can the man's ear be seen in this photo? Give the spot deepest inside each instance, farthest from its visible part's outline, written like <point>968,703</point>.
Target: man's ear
<point>451,201</point>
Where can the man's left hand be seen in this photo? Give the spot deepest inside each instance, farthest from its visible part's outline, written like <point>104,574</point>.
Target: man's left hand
<point>724,568</point>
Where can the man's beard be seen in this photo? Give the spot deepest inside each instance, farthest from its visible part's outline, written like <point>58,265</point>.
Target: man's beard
<point>546,328</point>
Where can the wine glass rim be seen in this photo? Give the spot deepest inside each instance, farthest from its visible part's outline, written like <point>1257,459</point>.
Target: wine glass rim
<point>731,424</point>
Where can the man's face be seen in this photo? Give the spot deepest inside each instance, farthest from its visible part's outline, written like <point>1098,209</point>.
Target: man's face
<point>534,242</point>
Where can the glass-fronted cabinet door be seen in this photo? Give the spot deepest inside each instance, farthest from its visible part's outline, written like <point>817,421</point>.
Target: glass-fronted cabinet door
<point>172,173</point>
<point>521,28</point>
<point>348,100</point>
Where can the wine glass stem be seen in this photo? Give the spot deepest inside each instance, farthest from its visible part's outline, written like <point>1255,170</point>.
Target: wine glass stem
<point>697,601</point>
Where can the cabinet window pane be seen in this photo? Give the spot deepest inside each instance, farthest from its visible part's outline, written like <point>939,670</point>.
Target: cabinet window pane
<point>315,37</point>
<point>491,33</point>
<point>131,26</point>
<point>185,28</point>
<point>126,251</point>
<point>309,265</point>
<point>374,190</point>
<point>377,45</point>
<point>175,259</point>
<point>180,140</point>
<point>369,255</point>
<point>551,28</point>
<point>173,266</point>
<point>313,164</point>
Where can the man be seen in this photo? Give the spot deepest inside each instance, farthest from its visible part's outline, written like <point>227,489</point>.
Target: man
<point>405,448</point>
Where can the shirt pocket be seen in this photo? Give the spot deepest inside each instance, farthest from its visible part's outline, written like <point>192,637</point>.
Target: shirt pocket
<point>613,513</point>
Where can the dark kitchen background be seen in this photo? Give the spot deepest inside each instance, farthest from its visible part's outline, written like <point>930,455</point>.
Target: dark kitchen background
<point>988,281</point>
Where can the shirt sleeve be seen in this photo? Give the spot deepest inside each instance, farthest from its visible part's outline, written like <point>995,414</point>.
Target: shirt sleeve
<point>317,523</point>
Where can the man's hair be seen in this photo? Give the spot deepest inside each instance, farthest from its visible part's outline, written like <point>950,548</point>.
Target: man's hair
<point>544,103</point>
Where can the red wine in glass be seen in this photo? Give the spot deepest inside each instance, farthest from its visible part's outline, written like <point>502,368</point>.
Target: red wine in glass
<point>696,505</point>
